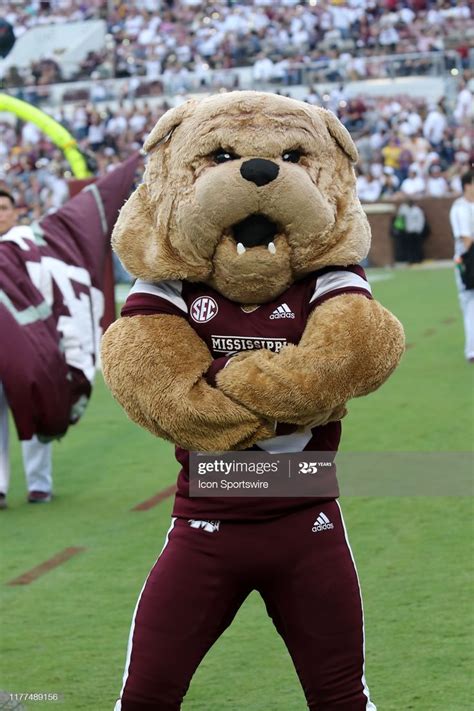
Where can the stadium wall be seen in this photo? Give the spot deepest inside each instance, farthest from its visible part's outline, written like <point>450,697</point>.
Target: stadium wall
<point>439,244</point>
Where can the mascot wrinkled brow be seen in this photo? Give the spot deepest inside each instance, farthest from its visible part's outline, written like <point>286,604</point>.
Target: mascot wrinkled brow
<point>250,326</point>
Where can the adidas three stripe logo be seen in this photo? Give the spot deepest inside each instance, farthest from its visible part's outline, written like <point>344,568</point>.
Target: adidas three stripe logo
<point>282,311</point>
<point>322,523</point>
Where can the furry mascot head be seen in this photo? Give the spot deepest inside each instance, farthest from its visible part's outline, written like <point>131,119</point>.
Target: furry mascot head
<point>269,173</point>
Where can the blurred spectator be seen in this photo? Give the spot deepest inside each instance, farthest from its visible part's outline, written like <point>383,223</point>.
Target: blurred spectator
<point>369,188</point>
<point>391,153</point>
<point>463,110</point>
<point>462,224</point>
<point>7,37</point>
<point>435,125</point>
<point>414,185</point>
<point>96,133</point>
<point>436,185</point>
<point>390,182</point>
<point>263,68</point>
<point>414,229</point>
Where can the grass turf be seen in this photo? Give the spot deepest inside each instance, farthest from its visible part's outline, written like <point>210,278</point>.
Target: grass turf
<point>66,632</point>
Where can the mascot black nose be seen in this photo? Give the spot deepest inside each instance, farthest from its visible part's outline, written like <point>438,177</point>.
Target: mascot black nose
<point>259,171</point>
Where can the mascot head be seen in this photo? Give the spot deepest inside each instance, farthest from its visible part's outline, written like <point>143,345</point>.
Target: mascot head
<point>244,191</point>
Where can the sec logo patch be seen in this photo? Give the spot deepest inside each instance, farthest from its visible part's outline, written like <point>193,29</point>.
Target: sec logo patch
<point>203,309</point>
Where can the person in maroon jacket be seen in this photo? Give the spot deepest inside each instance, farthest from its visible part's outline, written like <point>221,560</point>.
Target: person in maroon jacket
<point>37,455</point>
<point>51,309</point>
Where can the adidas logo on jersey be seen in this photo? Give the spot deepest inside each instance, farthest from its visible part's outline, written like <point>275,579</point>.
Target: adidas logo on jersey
<point>322,523</point>
<point>209,526</point>
<point>282,311</point>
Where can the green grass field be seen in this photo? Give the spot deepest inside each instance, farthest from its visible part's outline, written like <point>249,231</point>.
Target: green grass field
<point>67,631</point>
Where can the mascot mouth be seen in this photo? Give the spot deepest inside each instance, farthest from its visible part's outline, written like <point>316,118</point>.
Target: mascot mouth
<point>255,231</point>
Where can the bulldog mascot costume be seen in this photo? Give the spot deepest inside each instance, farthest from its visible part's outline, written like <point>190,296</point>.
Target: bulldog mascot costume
<point>250,326</point>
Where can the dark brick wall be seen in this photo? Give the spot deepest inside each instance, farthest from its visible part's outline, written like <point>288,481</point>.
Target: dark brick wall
<point>439,245</point>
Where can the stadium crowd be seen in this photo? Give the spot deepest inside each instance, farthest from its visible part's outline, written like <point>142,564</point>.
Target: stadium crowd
<point>407,146</point>
<point>170,40</point>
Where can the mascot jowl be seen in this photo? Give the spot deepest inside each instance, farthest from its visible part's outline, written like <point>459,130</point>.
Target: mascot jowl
<point>250,326</point>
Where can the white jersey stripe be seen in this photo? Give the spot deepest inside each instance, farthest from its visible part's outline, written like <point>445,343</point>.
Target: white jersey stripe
<point>294,442</point>
<point>370,706</point>
<point>169,290</point>
<point>338,280</point>
<point>118,705</point>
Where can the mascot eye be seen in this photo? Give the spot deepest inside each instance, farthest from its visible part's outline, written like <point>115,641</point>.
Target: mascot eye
<point>291,156</point>
<point>222,156</point>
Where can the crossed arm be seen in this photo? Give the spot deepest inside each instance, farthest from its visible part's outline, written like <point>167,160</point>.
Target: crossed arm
<point>349,348</point>
<point>155,366</point>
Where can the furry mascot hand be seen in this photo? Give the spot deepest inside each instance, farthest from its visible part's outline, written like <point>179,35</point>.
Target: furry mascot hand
<point>348,349</point>
<point>166,362</point>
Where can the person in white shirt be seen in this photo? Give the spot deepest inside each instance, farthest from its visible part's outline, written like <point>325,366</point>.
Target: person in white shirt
<point>464,105</point>
<point>117,125</point>
<point>436,185</point>
<point>462,224</point>
<point>30,134</point>
<point>96,133</point>
<point>369,188</point>
<point>415,222</point>
<point>414,185</point>
<point>435,126</point>
<point>37,456</point>
<point>389,36</point>
<point>263,69</point>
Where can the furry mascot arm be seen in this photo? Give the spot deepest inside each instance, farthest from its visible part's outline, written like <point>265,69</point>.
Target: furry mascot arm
<point>154,366</point>
<point>349,348</point>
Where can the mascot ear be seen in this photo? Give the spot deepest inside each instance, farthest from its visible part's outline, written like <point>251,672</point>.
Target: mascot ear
<point>340,134</point>
<point>164,128</point>
<point>133,233</point>
<point>141,242</point>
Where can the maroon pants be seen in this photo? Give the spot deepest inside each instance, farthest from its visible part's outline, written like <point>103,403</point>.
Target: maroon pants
<point>302,566</point>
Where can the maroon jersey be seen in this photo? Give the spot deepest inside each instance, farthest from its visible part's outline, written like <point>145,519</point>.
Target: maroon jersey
<point>51,306</point>
<point>228,329</point>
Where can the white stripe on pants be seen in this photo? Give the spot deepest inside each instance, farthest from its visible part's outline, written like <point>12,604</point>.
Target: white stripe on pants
<point>118,705</point>
<point>37,457</point>
<point>4,444</point>
<point>370,706</point>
